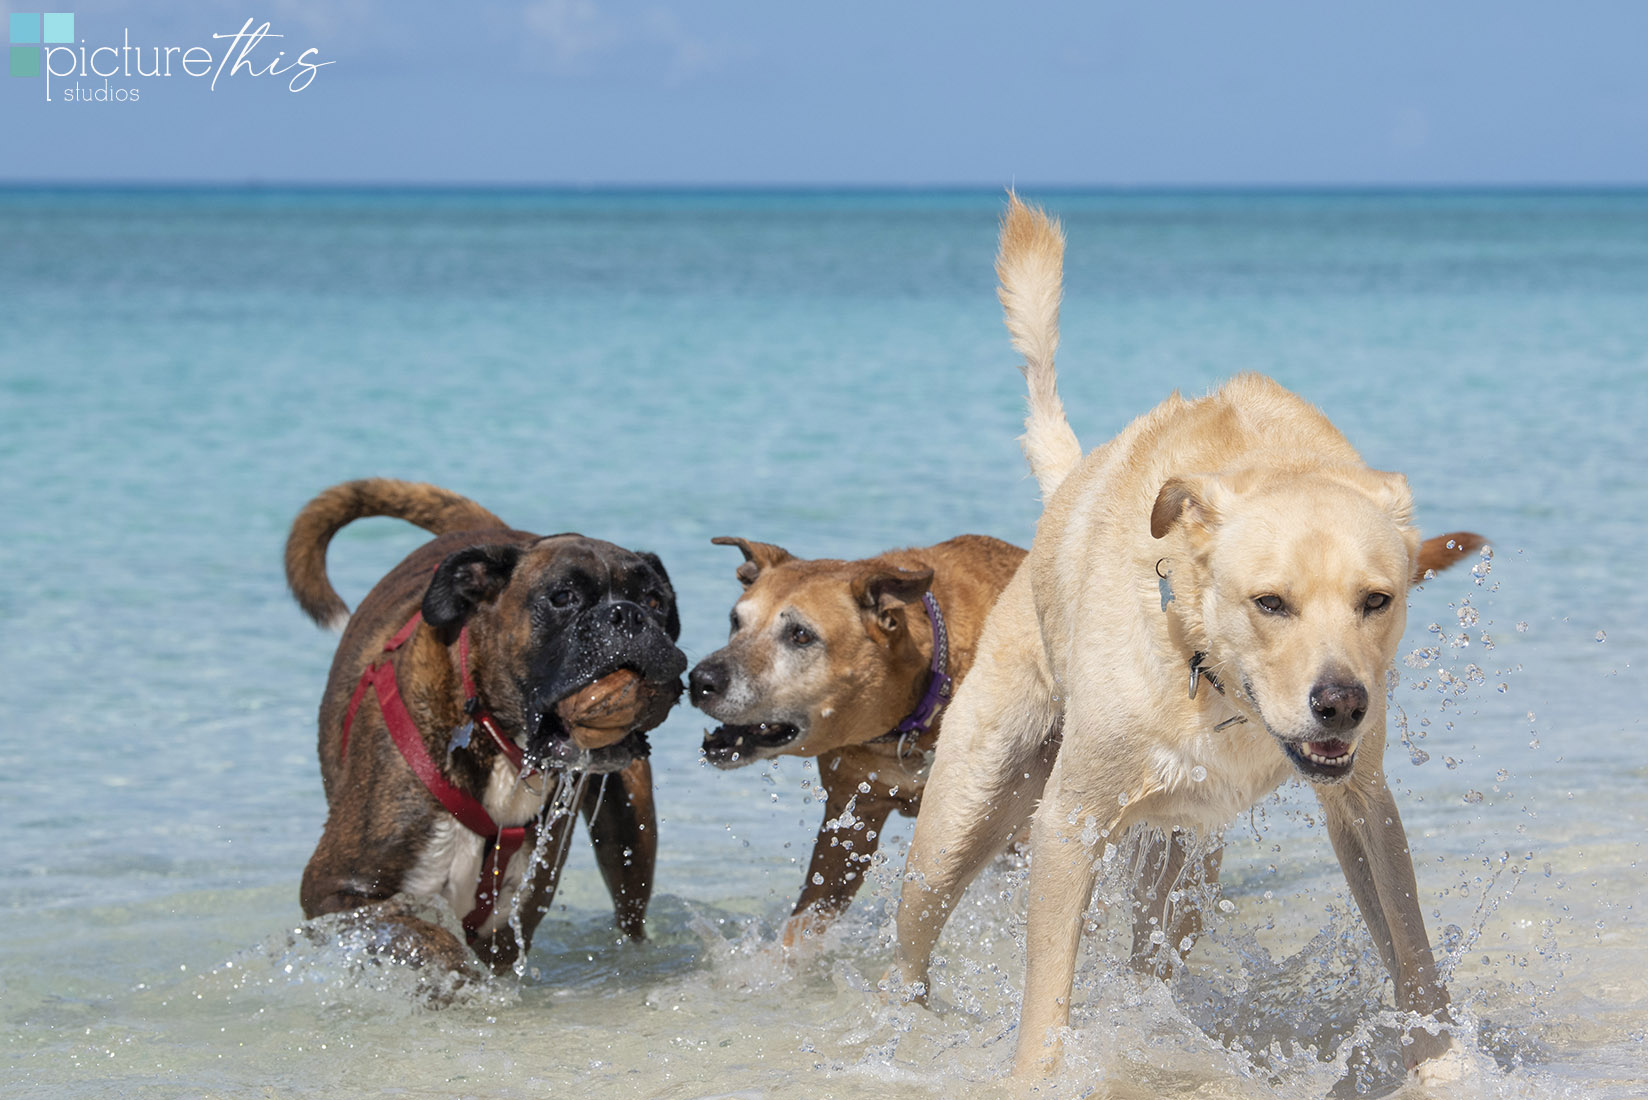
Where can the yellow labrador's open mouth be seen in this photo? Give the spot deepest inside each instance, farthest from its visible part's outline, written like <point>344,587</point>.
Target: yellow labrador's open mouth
<point>1326,760</point>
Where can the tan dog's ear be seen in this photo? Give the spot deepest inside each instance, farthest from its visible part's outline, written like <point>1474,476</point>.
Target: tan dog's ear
<point>1442,551</point>
<point>757,556</point>
<point>882,591</point>
<point>1184,498</point>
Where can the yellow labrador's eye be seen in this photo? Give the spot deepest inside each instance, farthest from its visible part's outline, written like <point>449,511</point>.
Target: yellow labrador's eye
<point>800,637</point>
<point>1271,605</point>
<point>1376,601</point>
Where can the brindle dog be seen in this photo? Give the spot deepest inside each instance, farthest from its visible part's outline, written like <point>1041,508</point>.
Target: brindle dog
<point>501,647</point>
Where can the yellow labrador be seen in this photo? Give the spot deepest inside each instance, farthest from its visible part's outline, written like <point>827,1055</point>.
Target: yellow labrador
<point>1211,605</point>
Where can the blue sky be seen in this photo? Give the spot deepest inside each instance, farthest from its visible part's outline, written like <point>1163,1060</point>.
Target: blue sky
<point>750,92</point>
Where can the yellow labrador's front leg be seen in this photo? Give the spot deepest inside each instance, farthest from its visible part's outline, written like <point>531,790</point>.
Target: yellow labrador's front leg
<point>1061,885</point>
<point>1373,852</point>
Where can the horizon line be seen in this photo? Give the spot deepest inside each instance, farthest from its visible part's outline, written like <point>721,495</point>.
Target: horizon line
<point>612,187</point>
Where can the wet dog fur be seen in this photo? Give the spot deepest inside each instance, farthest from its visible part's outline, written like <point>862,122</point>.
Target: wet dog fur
<point>825,657</point>
<point>1242,527</point>
<point>385,833</point>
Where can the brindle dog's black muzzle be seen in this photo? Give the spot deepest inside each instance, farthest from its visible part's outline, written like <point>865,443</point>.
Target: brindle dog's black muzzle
<point>611,636</point>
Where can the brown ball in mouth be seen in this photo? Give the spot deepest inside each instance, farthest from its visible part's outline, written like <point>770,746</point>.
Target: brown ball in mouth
<point>601,713</point>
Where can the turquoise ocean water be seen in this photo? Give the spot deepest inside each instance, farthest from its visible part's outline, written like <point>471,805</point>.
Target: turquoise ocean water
<point>181,370</point>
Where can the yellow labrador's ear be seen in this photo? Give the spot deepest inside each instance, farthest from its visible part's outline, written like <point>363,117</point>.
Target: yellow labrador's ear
<point>1187,499</point>
<point>757,556</point>
<point>882,591</point>
<point>1392,493</point>
<point>1442,551</point>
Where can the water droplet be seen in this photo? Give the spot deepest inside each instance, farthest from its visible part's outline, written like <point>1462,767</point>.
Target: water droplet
<point>1473,797</point>
<point>1198,773</point>
<point>818,879</point>
<point>1504,687</point>
<point>1121,799</point>
<point>1503,774</point>
<point>1226,905</point>
<point>1602,636</point>
<point>1468,616</point>
<point>1522,628</point>
<point>1158,938</point>
<point>1450,762</point>
<point>1418,756</point>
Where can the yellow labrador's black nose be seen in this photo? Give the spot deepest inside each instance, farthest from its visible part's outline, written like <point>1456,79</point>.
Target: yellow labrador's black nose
<point>1338,706</point>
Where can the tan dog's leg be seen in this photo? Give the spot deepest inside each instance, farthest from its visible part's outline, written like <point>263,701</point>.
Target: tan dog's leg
<point>994,755</point>
<point>840,857</point>
<point>623,827</point>
<point>1372,848</point>
<point>1164,864</point>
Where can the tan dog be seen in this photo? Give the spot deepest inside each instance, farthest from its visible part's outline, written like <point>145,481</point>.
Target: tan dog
<point>826,658</point>
<point>1236,544</point>
<point>485,650</point>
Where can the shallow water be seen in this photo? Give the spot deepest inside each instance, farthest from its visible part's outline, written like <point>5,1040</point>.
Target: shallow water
<point>179,372</point>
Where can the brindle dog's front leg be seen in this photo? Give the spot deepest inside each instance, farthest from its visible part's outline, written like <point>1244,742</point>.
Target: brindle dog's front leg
<point>623,826</point>
<point>841,855</point>
<point>500,948</point>
<point>1372,848</point>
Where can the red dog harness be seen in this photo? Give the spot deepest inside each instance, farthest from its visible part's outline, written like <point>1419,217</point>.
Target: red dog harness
<point>501,842</point>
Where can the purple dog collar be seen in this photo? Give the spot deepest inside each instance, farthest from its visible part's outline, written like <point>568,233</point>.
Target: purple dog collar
<point>939,683</point>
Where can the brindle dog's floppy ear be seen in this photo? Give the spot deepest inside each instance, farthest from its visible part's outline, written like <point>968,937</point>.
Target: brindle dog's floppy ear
<point>1437,554</point>
<point>464,581</point>
<point>757,556</point>
<point>882,590</point>
<point>673,620</point>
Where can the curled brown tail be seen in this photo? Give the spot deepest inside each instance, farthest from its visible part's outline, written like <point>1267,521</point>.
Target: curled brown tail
<point>1442,551</point>
<point>436,510</point>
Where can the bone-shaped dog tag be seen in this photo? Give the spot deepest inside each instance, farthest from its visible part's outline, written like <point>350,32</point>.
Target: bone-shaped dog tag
<point>460,737</point>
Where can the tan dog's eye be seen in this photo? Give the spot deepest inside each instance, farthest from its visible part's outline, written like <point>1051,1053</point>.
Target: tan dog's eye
<point>1377,601</point>
<point>1271,605</point>
<point>800,636</point>
<point>733,617</point>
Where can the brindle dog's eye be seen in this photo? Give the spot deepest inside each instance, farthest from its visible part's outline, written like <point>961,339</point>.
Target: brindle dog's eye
<point>800,636</point>
<point>1377,601</point>
<point>655,602</point>
<point>562,597</point>
<point>1271,605</point>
